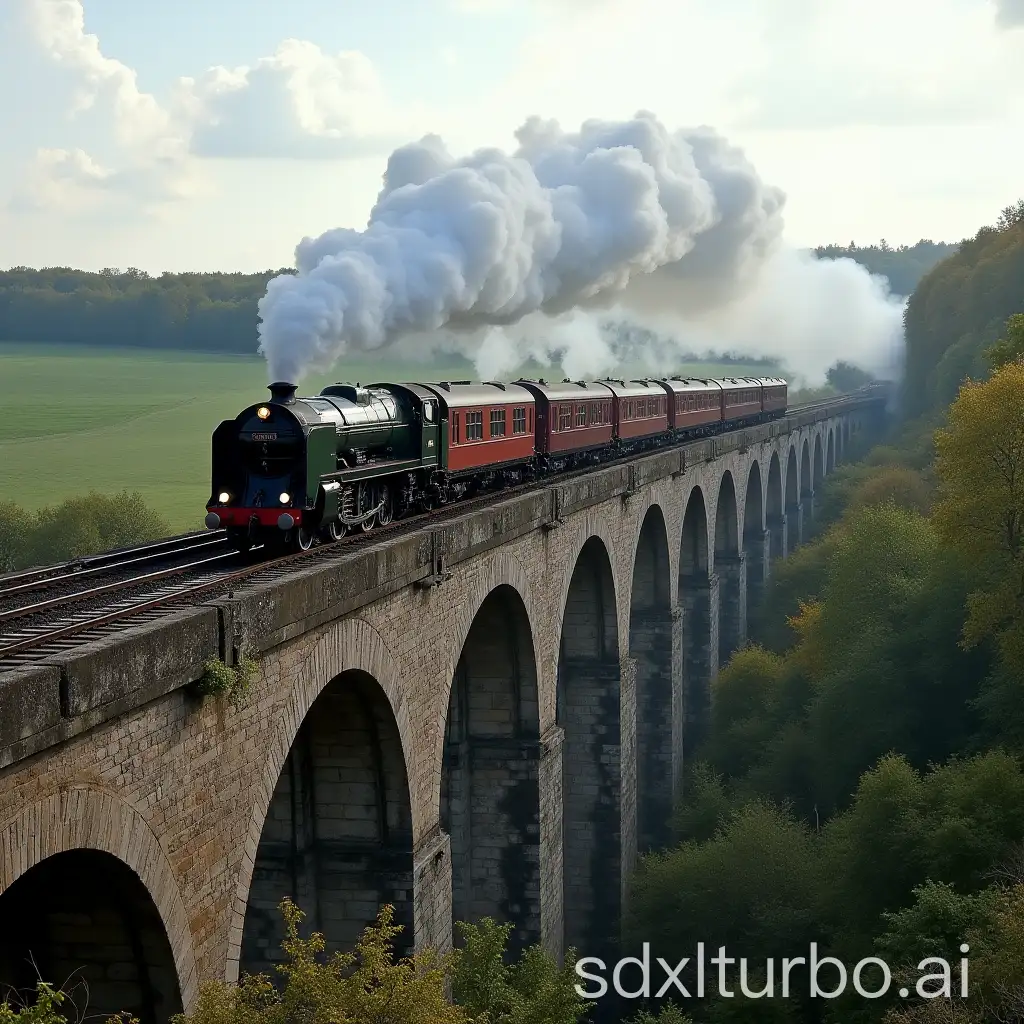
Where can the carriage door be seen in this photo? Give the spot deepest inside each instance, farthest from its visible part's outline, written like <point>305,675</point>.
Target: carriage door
<point>430,438</point>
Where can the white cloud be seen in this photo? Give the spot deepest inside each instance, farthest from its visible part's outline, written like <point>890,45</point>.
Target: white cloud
<point>879,62</point>
<point>1009,13</point>
<point>104,139</point>
<point>301,103</point>
<point>92,138</point>
<point>58,28</point>
<point>772,65</point>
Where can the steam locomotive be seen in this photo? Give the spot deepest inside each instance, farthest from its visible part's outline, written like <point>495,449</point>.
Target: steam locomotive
<point>294,471</point>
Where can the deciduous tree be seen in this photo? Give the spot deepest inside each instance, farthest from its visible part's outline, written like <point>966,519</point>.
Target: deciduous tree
<point>980,511</point>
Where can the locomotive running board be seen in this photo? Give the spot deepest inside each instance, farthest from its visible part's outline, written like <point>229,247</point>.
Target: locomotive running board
<point>372,470</point>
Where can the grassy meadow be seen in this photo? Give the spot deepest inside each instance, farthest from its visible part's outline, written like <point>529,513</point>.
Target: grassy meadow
<point>74,419</point>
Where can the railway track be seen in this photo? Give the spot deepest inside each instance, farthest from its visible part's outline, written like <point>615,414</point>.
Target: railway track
<point>46,576</point>
<point>32,627</point>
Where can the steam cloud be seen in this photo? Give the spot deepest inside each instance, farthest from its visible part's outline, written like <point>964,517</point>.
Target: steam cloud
<point>508,257</point>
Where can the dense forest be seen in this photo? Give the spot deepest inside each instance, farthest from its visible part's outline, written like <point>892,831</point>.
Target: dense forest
<point>960,306</point>
<point>218,312</point>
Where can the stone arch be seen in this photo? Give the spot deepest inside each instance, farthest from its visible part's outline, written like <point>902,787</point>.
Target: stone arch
<point>830,452</point>
<point>693,547</point>
<point>806,482</point>
<point>85,922</point>
<point>730,569</point>
<point>83,818</point>
<point>727,541</point>
<point>775,509</point>
<point>794,514</point>
<point>489,798</point>
<point>589,713</point>
<point>755,542</point>
<point>592,528</point>
<point>346,696</point>
<point>650,646</point>
<point>819,463</point>
<point>698,604</point>
<point>846,439</point>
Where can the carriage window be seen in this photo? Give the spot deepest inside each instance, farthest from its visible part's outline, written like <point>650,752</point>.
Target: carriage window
<point>581,415</point>
<point>474,426</point>
<point>497,423</point>
<point>565,417</point>
<point>455,428</point>
<point>519,421</point>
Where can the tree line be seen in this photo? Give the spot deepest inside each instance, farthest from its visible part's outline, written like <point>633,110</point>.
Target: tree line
<point>204,312</point>
<point>903,266</point>
<point>217,312</point>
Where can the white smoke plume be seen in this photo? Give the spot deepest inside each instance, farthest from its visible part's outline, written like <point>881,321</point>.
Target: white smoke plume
<point>506,257</point>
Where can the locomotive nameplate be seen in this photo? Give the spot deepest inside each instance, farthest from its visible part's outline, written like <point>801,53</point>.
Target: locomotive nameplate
<point>264,437</point>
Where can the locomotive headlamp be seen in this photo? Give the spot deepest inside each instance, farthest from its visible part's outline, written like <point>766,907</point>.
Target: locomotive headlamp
<point>263,412</point>
<point>223,497</point>
<point>285,497</point>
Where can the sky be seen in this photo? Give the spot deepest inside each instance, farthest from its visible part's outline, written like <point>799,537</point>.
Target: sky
<point>216,136</point>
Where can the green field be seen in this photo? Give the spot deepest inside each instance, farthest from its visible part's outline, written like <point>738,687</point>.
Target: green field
<point>74,419</point>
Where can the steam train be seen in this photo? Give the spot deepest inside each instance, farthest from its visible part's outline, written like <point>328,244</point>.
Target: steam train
<point>294,471</point>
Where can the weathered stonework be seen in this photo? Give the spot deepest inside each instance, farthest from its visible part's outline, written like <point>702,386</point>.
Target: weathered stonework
<point>410,738</point>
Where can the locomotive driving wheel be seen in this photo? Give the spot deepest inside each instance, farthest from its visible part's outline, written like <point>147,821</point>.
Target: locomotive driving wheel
<point>303,538</point>
<point>335,530</point>
<point>367,495</point>
<point>387,505</point>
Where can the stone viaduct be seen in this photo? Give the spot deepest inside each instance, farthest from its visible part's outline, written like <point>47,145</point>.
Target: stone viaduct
<point>484,717</point>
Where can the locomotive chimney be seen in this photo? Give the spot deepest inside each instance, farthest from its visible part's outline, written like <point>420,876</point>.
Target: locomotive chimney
<point>282,392</point>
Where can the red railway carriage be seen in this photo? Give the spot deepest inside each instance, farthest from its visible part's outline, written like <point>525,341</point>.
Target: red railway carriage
<point>741,399</point>
<point>693,402</point>
<point>488,425</point>
<point>640,408</point>
<point>774,396</point>
<point>571,416</point>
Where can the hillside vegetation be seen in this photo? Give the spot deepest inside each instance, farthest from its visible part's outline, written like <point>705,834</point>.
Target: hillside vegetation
<point>960,308</point>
